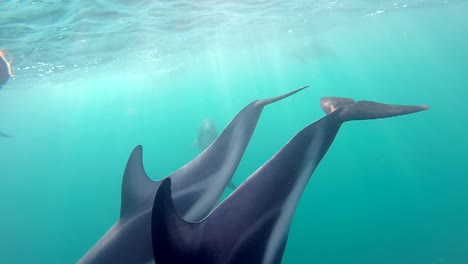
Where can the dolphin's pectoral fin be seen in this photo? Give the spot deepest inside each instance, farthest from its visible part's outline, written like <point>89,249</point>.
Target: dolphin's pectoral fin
<point>137,187</point>
<point>363,110</point>
<point>171,235</point>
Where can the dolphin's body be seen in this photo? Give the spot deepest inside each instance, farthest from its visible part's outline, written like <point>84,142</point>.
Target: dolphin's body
<point>251,226</point>
<point>197,187</point>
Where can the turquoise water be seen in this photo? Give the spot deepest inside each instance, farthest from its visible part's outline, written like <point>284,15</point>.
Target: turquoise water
<point>95,78</point>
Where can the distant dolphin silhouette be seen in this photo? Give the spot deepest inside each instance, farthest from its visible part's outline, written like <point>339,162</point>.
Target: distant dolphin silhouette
<point>4,135</point>
<point>207,133</point>
<point>251,226</point>
<point>197,187</point>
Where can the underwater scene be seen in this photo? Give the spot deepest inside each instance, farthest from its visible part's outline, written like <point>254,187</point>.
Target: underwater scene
<point>245,106</point>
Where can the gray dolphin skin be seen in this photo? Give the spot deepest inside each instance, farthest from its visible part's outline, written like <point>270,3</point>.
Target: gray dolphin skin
<point>197,188</point>
<point>252,224</point>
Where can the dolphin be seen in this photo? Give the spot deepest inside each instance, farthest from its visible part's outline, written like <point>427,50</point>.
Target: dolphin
<point>207,133</point>
<point>251,226</point>
<point>5,68</point>
<point>197,188</point>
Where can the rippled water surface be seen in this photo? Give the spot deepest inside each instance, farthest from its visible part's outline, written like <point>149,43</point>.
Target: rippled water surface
<point>49,37</point>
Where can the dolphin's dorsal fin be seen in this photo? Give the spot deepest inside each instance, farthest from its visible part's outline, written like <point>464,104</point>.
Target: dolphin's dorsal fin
<point>137,187</point>
<point>170,233</point>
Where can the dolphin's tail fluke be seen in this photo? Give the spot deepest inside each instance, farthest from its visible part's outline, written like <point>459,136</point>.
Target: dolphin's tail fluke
<point>362,110</point>
<point>268,101</point>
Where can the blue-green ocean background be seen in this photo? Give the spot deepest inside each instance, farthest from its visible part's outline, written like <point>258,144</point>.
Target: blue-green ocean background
<point>96,78</point>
